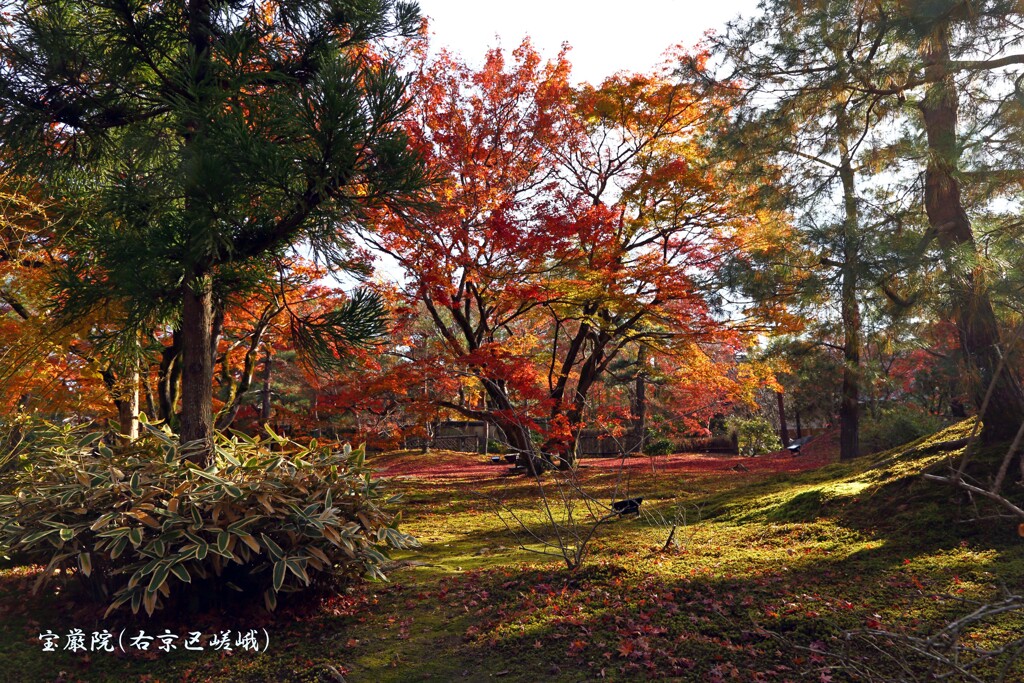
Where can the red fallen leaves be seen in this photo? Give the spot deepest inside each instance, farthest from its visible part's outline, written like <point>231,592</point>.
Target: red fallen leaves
<point>632,628</point>
<point>698,463</point>
<point>439,466</point>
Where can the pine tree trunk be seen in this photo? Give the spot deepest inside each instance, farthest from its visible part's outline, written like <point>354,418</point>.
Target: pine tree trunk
<point>197,367</point>
<point>975,318</point>
<point>849,403</point>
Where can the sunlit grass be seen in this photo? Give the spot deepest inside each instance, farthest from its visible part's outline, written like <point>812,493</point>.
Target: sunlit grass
<point>766,571</point>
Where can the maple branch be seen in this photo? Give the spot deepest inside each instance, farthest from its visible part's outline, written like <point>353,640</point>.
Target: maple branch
<point>454,343</point>
<point>570,360</point>
<point>554,355</point>
<point>486,416</point>
<point>238,390</point>
<point>464,324</point>
<point>15,305</point>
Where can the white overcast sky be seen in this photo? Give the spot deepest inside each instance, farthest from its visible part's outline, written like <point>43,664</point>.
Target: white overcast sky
<point>605,36</point>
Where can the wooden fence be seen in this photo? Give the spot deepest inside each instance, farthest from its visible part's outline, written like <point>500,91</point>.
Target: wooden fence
<point>460,443</point>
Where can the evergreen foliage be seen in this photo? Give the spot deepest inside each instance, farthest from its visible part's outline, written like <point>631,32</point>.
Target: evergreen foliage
<point>194,143</point>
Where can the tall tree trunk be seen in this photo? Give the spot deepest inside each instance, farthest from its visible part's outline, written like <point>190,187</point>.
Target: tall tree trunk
<point>197,315</point>
<point>151,404</point>
<point>128,406</point>
<point>517,434</point>
<point>783,427</point>
<point>639,408</point>
<point>849,403</point>
<point>975,318</point>
<point>197,366</point>
<point>268,365</point>
<point>799,429</point>
<point>568,452</point>
<point>167,379</point>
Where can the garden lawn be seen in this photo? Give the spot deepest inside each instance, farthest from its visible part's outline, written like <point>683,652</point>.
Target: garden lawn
<point>772,561</point>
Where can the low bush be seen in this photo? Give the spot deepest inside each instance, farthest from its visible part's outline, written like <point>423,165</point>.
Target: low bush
<point>656,444</point>
<point>754,435</point>
<point>140,523</point>
<point>891,427</point>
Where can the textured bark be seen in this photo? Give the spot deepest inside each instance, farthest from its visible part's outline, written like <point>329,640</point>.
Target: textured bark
<point>849,405</point>
<point>976,321</point>
<point>128,407</point>
<point>197,366</point>
<point>197,317</point>
<point>168,377</point>
<point>268,368</point>
<point>783,427</point>
<point>639,408</point>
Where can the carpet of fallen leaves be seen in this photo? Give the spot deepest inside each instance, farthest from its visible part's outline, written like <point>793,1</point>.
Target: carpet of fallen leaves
<point>781,559</point>
<point>820,451</point>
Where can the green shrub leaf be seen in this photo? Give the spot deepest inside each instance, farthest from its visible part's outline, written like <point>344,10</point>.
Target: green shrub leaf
<point>279,570</point>
<point>309,511</point>
<point>181,573</point>
<point>274,548</point>
<point>158,578</point>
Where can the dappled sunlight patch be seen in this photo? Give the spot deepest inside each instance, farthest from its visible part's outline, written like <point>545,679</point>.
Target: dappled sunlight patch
<point>765,573</point>
<point>625,623</point>
<point>780,541</point>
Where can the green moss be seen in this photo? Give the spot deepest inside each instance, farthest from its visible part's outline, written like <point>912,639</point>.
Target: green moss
<point>763,566</point>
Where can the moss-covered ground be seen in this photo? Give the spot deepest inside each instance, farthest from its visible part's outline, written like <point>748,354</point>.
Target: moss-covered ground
<point>779,569</point>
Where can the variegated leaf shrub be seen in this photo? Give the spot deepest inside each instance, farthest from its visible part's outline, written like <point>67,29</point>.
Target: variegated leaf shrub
<point>139,523</point>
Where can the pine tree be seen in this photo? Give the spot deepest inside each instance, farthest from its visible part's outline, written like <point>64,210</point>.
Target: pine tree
<point>195,143</point>
<point>948,70</point>
<point>801,112</point>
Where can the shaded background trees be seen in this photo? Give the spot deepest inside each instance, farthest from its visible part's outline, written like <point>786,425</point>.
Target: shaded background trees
<point>897,115</point>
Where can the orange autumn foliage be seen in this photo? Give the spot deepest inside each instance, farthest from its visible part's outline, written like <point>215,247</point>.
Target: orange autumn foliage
<point>566,225</point>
